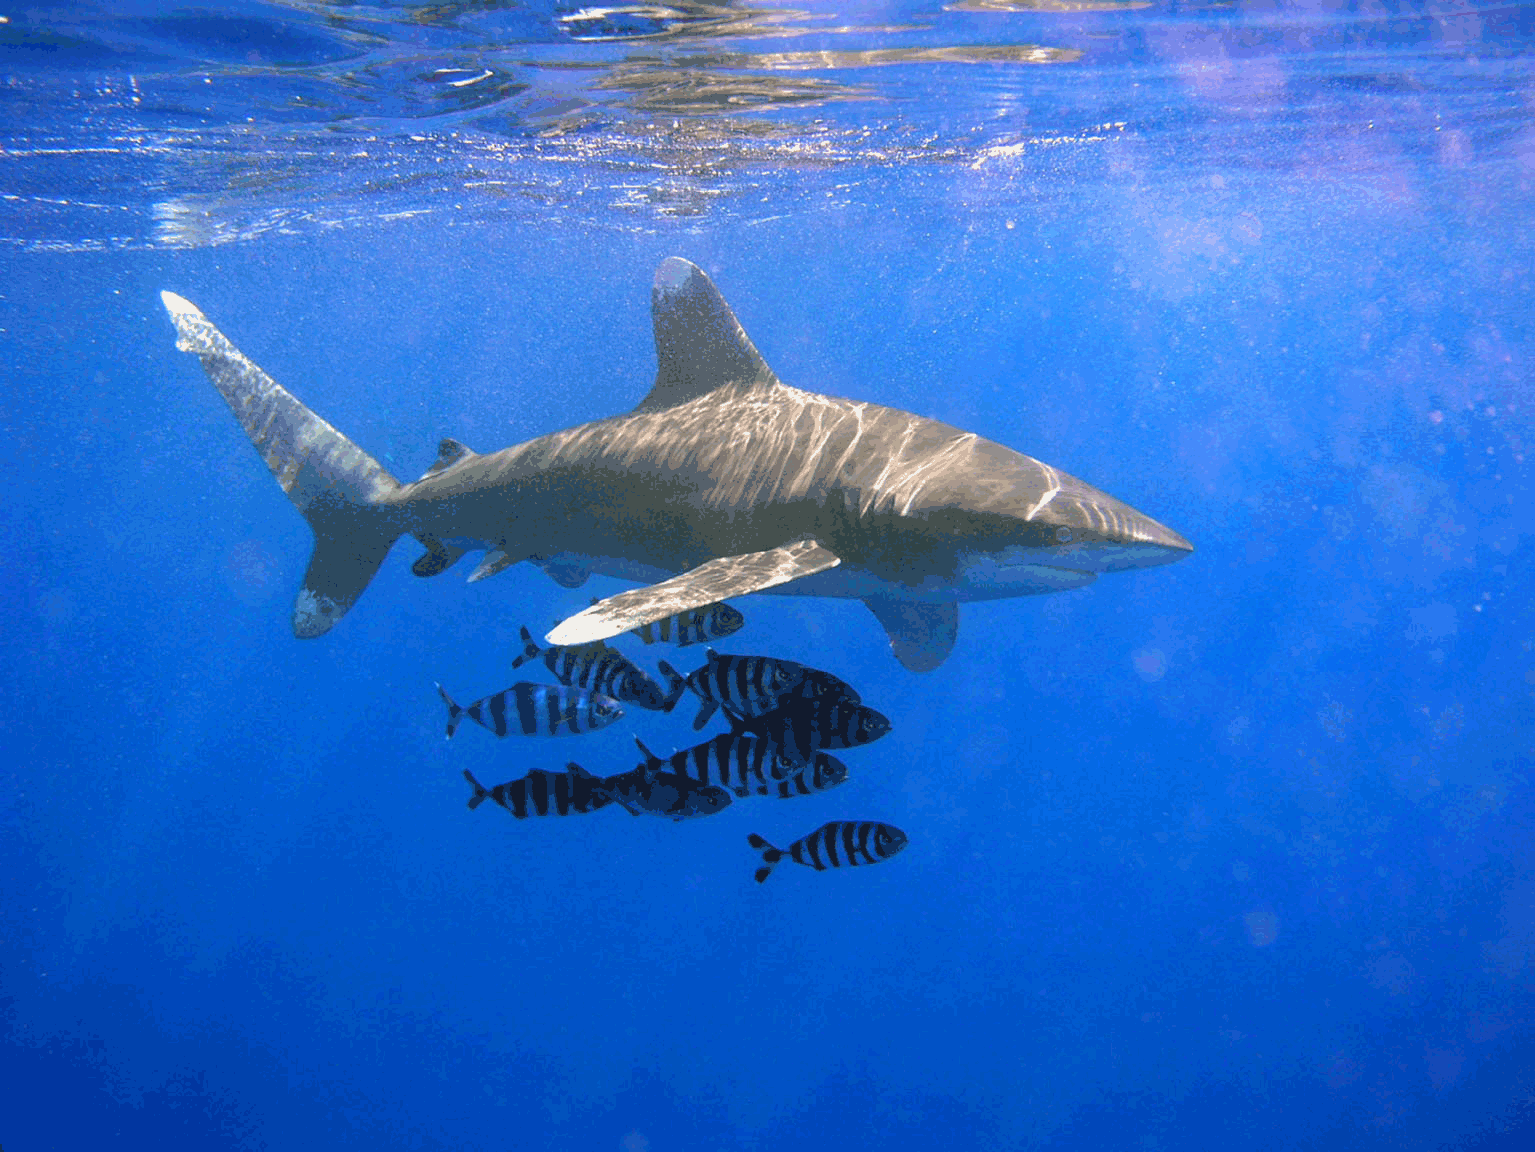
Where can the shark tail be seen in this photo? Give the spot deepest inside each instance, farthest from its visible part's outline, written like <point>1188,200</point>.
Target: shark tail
<point>770,855</point>
<point>339,488</point>
<point>481,794</point>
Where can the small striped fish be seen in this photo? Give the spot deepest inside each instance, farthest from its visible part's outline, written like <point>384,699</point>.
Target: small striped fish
<point>597,668</point>
<point>746,764</point>
<point>661,793</point>
<point>820,774</point>
<point>801,726</point>
<point>839,842</point>
<point>813,685</point>
<point>539,793</point>
<point>711,622</point>
<point>746,685</point>
<point>536,710</point>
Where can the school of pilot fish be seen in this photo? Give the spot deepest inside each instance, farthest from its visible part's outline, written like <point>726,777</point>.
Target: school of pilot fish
<point>782,715</point>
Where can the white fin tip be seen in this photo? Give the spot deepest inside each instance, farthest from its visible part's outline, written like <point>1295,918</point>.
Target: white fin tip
<point>179,306</point>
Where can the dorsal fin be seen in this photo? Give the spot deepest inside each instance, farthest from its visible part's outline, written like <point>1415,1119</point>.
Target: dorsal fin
<point>700,346</point>
<point>449,453</point>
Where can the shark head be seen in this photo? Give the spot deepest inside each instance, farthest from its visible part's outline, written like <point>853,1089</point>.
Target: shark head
<point>1021,526</point>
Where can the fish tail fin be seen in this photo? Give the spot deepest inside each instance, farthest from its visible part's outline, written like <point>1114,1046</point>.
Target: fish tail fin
<point>530,648</point>
<point>705,710</point>
<point>455,713</point>
<point>480,793</point>
<point>340,490</point>
<point>675,685</point>
<point>651,759</point>
<point>770,855</point>
<point>599,788</point>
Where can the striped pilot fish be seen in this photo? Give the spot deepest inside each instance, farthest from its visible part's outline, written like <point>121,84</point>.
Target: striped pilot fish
<point>711,622</point>
<point>745,764</point>
<point>801,725</point>
<point>539,793</point>
<point>598,668</point>
<point>742,685</point>
<point>646,789</point>
<point>838,842</point>
<point>536,710</point>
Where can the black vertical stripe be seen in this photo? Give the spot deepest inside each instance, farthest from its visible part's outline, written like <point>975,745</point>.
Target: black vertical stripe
<point>524,701</point>
<point>827,833</point>
<point>519,793</point>
<point>863,830</point>
<point>812,849</point>
<point>498,713</point>
<point>538,789</point>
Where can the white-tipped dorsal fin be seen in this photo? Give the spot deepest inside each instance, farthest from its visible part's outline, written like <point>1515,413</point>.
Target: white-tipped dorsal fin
<point>700,346</point>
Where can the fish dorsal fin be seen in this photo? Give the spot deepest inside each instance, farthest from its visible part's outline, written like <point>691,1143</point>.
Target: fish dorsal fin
<point>700,346</point>
<point>449,453</point>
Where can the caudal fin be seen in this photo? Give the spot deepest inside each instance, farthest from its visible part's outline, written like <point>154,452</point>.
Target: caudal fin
<point>480,793</point>
<point>651,759</point>
<point>530,648</point>
<point>455,713</point>
<point>675,685</point>
<point>339,488</point>
<point>770,855</point>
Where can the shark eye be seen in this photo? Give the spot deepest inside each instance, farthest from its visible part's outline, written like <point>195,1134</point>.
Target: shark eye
<point>1063,534</point>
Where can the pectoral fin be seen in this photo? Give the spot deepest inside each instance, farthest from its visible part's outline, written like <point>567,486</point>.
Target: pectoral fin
<point>715,580</point>
<point>921,635</point>
<point>565,575</point>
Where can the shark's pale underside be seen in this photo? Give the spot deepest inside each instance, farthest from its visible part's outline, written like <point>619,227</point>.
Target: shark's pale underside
<point>723,481</point>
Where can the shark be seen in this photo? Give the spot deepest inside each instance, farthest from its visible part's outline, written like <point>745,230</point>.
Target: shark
<point>723,481</point>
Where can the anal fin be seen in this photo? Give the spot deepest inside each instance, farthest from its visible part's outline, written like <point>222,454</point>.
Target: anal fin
<point>714,580</point>
<point>921,634</point>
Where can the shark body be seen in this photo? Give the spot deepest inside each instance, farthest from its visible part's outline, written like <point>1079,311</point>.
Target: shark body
<point>724,481</point>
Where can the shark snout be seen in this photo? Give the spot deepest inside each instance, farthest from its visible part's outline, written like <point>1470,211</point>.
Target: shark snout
<point>1114,540</point>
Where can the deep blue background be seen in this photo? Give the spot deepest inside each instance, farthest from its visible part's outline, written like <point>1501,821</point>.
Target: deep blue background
<point>1235,852</point>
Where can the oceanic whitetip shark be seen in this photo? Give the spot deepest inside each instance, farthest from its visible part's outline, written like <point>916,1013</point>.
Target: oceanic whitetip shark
<point>723,481</point>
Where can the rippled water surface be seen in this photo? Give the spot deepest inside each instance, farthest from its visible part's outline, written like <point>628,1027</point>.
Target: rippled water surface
<point>132,125</point>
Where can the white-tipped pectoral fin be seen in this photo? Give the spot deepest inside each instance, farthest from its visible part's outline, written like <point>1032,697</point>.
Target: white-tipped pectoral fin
<point>715,580</point>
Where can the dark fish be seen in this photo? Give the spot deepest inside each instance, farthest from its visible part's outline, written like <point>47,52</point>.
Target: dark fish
<point>746,763</point>
<point>800,726</point>
<point>820,774</point>
<point>536,710</point>
<point>662,793</point>
<point>747,685</point>
<point>839,842</point>
<point>539,793</point>
<point>597,668</point>
<point>711,622</point>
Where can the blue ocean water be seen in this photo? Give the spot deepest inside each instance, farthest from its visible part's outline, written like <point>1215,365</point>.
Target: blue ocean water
<point>1231,853</point>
